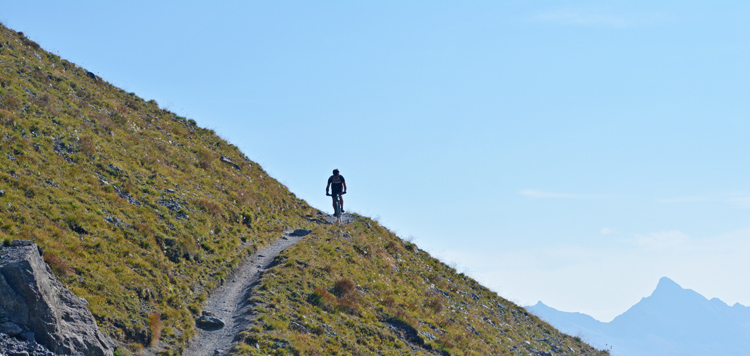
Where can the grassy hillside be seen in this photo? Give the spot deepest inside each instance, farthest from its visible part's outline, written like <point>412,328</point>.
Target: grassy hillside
<point>141,212</point>
<point>358,289</point>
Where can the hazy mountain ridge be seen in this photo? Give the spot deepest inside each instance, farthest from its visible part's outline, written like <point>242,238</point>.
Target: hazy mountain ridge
<point>142,213</point>
<point>671,321</point>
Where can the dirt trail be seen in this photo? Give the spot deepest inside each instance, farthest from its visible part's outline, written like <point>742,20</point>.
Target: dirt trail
<point>229,302</point>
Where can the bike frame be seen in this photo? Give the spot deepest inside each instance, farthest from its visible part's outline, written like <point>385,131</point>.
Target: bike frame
<point>337,204</point>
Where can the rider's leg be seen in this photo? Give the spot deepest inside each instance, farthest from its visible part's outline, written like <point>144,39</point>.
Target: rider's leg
<point>333,202</point>
<point>341,199</point>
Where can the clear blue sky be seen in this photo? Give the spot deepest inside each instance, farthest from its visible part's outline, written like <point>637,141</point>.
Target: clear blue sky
<point>571,152</point>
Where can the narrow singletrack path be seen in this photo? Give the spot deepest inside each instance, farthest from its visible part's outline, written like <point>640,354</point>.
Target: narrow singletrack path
<point>229,301</point>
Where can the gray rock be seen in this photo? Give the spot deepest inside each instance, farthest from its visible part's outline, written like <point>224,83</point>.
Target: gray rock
<point>209,322</point>
<point>427,335</point>
<point>2,192</point>
<point>11,329</point>
<point>114,168</point>
<point>300,232</point>
<point>28,336</point>
<point>228,161</point>
<point>293,325</point>
<point>33,299</point>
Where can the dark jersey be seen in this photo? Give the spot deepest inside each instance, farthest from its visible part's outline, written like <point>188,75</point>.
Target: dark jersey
<point>337,184</point>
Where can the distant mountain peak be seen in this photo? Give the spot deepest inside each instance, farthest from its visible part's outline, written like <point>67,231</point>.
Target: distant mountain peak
<point>672,321</point>
<point>667,285</point>
<point>665,282</point>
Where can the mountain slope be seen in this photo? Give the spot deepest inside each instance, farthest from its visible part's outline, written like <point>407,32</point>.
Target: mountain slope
<point>142,213</point>
<point>133,205</point>
<point>671,321</point>
<point>577,324</point>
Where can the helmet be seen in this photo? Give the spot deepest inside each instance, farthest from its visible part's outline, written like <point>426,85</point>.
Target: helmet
<point>336,171</point>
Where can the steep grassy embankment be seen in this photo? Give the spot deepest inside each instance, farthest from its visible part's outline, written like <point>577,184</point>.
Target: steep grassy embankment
<point>132,204</point>
<point>139,214</point>
<point>358,289</point>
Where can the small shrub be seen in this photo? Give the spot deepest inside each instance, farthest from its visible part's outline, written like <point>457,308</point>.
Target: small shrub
<point>28,42</point>
<point>87,145</point>
<point>388,301</point>
<point>195,308</point>
<point>321,298</point>
<point>10,102</point>
<point>435,305</point>
<point>44,100</point>
<point>58,265</point>
<point>349,304</point>
<point>393,247</point>
<point>205,157</point>
<point>142,228</point>
<point>401,315</point>
<point>317,297</point>
<point>247,219</point>
<point>132,104</point>
<point>121,352</point>
<point>154,324</point>
<point>209,207</point>
<point>343,287</point>
<point>458,340</point>
<point>318,330</point>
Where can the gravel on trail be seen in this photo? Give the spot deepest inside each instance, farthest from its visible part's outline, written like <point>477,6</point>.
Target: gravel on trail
<point>229,301</point>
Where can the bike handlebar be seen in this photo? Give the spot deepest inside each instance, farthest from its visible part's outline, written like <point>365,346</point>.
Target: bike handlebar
<point>328,195</point>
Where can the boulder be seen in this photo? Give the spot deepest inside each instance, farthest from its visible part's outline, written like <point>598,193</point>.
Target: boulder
<point>11,346</point>
<point>300,232</point>
<point>10,328</point>
<point>34,301</point>
<point>209,322</point>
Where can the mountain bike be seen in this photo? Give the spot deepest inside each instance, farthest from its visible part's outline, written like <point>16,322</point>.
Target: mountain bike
<point>337,204</point>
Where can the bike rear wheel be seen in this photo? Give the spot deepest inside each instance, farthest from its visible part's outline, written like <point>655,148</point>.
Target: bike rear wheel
<point>337,206</point>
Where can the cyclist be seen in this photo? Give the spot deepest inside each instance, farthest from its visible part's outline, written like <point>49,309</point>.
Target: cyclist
<point>338,185</point>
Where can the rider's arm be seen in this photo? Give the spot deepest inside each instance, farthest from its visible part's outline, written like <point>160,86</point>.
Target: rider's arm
<point>344,182</point>
<point>328,186</point>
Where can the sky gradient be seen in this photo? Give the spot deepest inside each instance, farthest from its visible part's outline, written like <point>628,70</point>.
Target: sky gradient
<point>571,152</point>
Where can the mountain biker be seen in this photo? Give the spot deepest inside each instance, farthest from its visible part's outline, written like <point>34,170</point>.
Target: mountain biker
<point>338,185</point>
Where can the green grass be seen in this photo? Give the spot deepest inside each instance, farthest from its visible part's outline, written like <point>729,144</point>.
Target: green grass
<point>137,214</point>
<point>86,169</point>
<point>359,289</point>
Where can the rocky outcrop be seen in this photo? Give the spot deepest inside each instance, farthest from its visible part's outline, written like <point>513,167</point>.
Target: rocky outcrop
<point>14,347</point>
<point>34,305</point>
